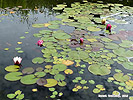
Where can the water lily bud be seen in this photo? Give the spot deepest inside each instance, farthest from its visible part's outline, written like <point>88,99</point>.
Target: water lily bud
<point>39,42</point>
<point>103,21</point>
<point>108,27</point>
<point>17,60</point>
<point>81,40</point>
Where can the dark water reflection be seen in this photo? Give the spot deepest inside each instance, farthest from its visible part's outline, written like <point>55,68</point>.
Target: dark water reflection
<point>15,25</point>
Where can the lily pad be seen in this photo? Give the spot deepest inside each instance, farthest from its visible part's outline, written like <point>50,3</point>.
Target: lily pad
<point>39,69</point>
<point>62,83</point>
<point>59,77</point>
<point>95,90</point>
<point>38,60</point>
<point>53,26</point>
<point>29,79</point>
<point>13,76</point>
<point>91,81</point>
<point>60,67</point>
<point>93,29</point>
<point>11,96</point>
<point>126,44</point>
<point>41,81</point>
<point>12,68</point>
<point>61,35</point>
<point>28,70</point>
<point>83,81</point>
<point>20,97</point>
<point>111,46</point>
<point>68,71</point>
<point>40,74</point>
<point>51,83</point>
<point>121,77</point>
<point>98,70</point>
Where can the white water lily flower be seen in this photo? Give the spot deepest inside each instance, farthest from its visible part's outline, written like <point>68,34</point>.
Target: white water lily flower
<point>17,60</point>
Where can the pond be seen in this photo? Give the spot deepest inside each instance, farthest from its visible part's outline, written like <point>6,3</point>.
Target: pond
<point>70,49</point>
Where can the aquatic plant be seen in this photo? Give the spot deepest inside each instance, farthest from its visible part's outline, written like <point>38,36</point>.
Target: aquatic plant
<point>17,60</point>
<point>39,43</point>
<point>108,27</point>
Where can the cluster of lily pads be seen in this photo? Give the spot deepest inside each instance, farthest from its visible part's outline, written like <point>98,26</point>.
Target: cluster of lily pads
<point>124,81</point>
<point>63,49</point>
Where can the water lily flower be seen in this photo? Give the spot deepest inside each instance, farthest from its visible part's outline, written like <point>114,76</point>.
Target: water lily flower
<point>39,42</point>
<point>17,60</point>
<point>81,40</point>
<point>108,27</point>
<point>103,21</point>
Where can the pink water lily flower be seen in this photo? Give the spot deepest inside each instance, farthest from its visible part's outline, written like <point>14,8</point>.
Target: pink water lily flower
<point>108,27</point>
<point>81,40</point>
<point>17,60</point>
<point>39,42</point>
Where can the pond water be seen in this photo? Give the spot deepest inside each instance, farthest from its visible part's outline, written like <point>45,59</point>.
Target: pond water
<point>98,63</point>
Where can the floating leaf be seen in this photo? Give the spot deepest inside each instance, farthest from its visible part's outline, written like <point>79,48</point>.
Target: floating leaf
<point>40,74</point>
<point>29,79</point>
<point>91,40</point>
<point>20,97</point>
<point>74,89</point>
<point>68,71</point>
<point>51,89</point>
<point>38,25</point>
<point>116,93</point>
<point>28,70</point>
<point>41,81</point>
<point>6,49</point>
<point>98,70</point>
<point>20,51</point>
<point>62,83</point>
<point>11,96</point>
<point>38,60</point>
<point>52,96</point>
<point>12,68</point>
<point>67,62</point>
<point>51,83</point>
<point>18,92</point>
<point>120,77</point>
<point>61,35</point>
<point>53,26</point>
<point>34,90</point>
<point>48,66</point>
<point>39,69</point>
<point>13,76</point>
<point>99,86</point>
<point>59,77</point>
<point>22,37</point>
<point>126,91</point>
<point>95,90</point>
<point>91,81</point>
<point>93,29</point>
<point>83,81</point>
<point>19,42</point>
<point>111,46</point>
<point>17,48</point>
<point>60,67</point>
<point>126,44</point>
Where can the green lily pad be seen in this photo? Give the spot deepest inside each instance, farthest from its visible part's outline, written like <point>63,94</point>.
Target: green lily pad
<point>83,81</point>
<point>53,26</point>
<point>39,69</point>
<point>99,86</point>
<point>41,81</point>
<point>29,79</point>
<point>59,77</point>
<point>20,97</point>
<point>38,25</point>
<point>93,29</point>
<point>120,77</point>
<point>28,70</point>
<point>95,90</point>
<point>128,65</point>
<point>60,67</point>
<point>12,68</point>
<point>40,74</point>
<point>118,71</point>
<point>38,60</point>
<point>55,93</point>
<point>91,81</point>
<point>126,44</point>
<point>52,96</point>
<point>98,70</point>
<point>13,76</point>
<point>111,46</point>
<point>126,91</point>
<point>62,83</point>
<point>17,48</point>
<point>20,51</point>
<point>51,89</point>
<point>22,37</point>
<point>11,96</point>
<point>61,35</point>
<point>18,92</point>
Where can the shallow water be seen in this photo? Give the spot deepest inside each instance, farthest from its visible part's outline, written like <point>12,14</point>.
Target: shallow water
<point>15,25</point>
